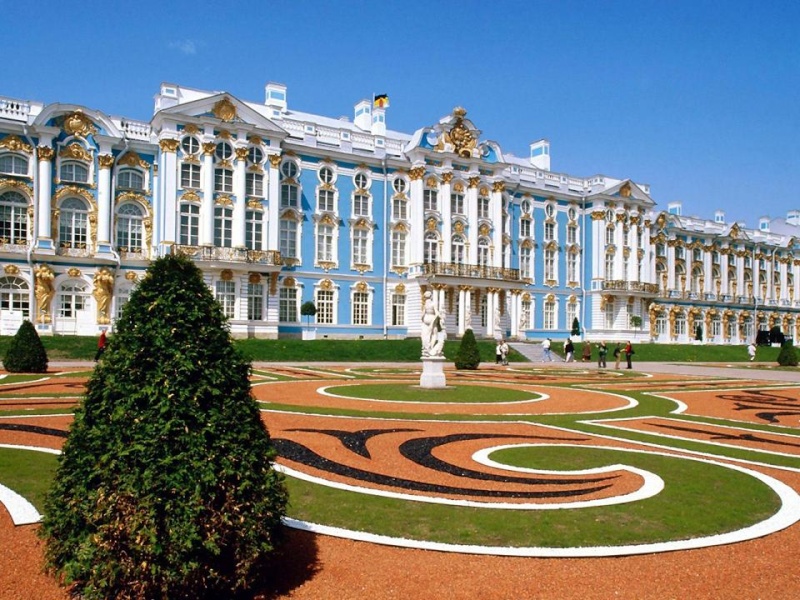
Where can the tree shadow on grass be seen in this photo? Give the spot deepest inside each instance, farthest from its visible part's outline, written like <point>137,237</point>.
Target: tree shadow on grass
<point>293,564</point>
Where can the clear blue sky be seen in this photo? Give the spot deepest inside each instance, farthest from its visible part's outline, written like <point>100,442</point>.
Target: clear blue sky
<point>699,99</point>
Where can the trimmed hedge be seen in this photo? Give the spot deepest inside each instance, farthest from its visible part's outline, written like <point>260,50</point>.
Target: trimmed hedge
<point>26,353</point>
<point>468,357</point>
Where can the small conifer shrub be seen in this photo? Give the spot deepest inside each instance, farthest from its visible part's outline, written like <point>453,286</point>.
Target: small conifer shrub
<point>787,357</point>
<point>468,355</point>
<point>26,353</point>
<point>165,487</point>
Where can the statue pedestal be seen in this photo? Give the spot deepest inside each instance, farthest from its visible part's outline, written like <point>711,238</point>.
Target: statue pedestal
<point>433,373</point>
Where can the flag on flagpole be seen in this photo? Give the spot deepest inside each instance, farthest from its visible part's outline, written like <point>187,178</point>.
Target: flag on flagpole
<point>380,101</point>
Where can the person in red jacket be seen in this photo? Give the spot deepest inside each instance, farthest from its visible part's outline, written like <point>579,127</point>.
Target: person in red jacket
<point>628,353</point>
<point>101,345</point>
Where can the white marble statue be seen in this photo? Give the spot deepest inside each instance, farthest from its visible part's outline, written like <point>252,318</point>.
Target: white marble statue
<point>432,328</point>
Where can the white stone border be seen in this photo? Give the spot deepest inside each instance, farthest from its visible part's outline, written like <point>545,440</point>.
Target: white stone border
<point>323,391</point>
<point>22,512</point>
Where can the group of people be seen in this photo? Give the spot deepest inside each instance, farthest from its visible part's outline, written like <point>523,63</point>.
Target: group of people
<point>602,351</point>
<point>501,353</point>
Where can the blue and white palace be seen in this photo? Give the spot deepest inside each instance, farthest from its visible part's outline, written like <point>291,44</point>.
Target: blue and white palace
<point>279,208</point>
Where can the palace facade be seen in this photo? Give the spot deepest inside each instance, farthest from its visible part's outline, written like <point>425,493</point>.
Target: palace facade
<point>280,207</point>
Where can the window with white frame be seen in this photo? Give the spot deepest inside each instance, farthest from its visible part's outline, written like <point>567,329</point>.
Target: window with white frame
<point>361,180</point>
<point>610,314</point>
<point>398,309</point>
<point>431,249</point>
<point>130,227</point>
<point>483,251</point>
<point>130,179</point>
<point>361,205</point>
<point>572,267</point>
<point>255,155</point>
<point>253,228</point>
<point>325,307</point>
<point>14,296</point>
<point>572,234</point>
<point>360,246</point>
<point>287,305</point>
<point>399,185</point>
<point>73,223</point>
<point>661,323</point>
<point>550,211</point>
<point>13,164</point>
<point>430,199</point>
<point>484,205</point>
<point>572,313</point>
<point>190,145</point>
<point>549,232</point>
<point>549,314</point>
<point>122,295</point>
<point>223,151</point>
<point>525,319</point>
<point>325,200</point>
<point>325,242</point>
<point>457,250</point>
<point>223,181</point>
<point>254,185</point>
<point>190,176</point>
<point>525,228</point>
<point>399,248</point>
<point>223,226</point>
<point>610,235</point>
<point>189,234</point>
<point>457,203</point>
<point>525,262</point>
<point>226,296</point>
<point>399,209</point>
<point>13,218</point>
<point>609,266</point>
<point>716,326</point>
<point>73,297</point>
<point>290,192</point>
<point>484,311</point>
<point>549,264</point>
<point>74,172</point>
<point>255,301</point>
<point>680,324</point>
<point>360,304</point>
<point>288,237</point>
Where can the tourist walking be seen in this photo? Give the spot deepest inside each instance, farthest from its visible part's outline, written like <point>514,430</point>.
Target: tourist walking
<point>504,352</point>
<point>546,356</point>
<point>101,345</point>
<point>586,354</point>
<point>628,353</point>
<point>751,351</point>
<point>498,352</point>
<point>602,350</point>
<point>569,351</point>
<point>617,351</point>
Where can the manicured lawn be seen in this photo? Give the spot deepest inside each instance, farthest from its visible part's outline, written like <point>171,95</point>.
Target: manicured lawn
<point>413,393</point>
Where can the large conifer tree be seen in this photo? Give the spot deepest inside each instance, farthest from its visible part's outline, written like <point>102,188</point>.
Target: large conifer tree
<point>165,488</point>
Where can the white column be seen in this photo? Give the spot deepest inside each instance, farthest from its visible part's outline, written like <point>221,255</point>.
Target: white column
<point>167,203</point>
<point>472,218</point>
<point>274,202</point>
<point>491,299</point>
<point>240,199</point>
<point>497,225</point>
<point>514,313</point>
<point>416,239</point>
<point>44,155</point>
<point>444,205</point>
<point>104,201</point>
<point>461,309</point>
<point>207,204</point>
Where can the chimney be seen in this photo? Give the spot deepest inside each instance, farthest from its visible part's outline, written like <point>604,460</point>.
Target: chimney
<point>719,217</point>
<point>763,224</point>
<point>276,97</point>
<point>540,155</point>
<point>675,208</point>
<point>379,121</point>
<point>363,115</point>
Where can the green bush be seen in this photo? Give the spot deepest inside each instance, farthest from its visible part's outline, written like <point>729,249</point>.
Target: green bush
<point>468,356</point>
<point>787,357</point>
<point>25,353</point>
<point>165,487</point>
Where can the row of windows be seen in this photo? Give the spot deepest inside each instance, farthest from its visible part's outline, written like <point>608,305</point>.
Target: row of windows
<point>72,172</point>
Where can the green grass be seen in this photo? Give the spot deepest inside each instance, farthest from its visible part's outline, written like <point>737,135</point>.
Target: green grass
<point>681,353</point>
<point>413,393</point>
<point>28,473</point>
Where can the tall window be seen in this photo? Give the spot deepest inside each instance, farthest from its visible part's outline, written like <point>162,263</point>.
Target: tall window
<point>14,296</point>
<point>223,181</point>
<point>525,263</point>
<point>483,251</point>
<point>190,225</point>
<point>325,306</point>
<point>572,268</point>
<point>398,309</point>
<point>549,232</point>
<point>13,218</point>
<point>609,235</point>
<point>290,193</point>
<point>324,242</point>
<point>74,172</point>
<point>483,208</point>
<point>525,318</point>
<point>661,323</point>
<point>11,164</point>
<point>223,226</point>
<point>525,228</point>
<point>430,199</point>
<point>572,234</point>
<point>572,313</point>
<point>549,315</point>
<point>130,179</point>
<point>609,266</point>
<point>360,308</point>
<point>255,301</point>
<point>360,247</point>
<point>325,200</point>
<point>399,209</point>
<point>253,229</point>
<point>254,184</point>
<point>457,249</point>
<point>72,297</point>
<point>190,176</point>
<point>549,264</point>
<point>287,305</point>
<point>361,205</point>
<point>73,223</point>
<point>129,228</point>
<point>431,249</point>
<point>680,324</point>
<point>610,315</point>
<point>457,203</point>
<point>226,296</point>
<point>288,238</point>
<point>398,248</point>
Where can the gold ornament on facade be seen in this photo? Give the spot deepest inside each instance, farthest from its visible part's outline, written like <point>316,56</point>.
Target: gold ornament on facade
<point>169,145</point>
<point>106,161</point>
<point>400,227</point>
<point>483,229</point>
<point>44,292</point>
<point>430,225</point>
<point>21,186</point>
<point>625,190</point>
<point>224,134</point>
<point>76,152</point>
<point>416,173</point>
<point>447,177</point>
<point>190,128</point>
<point>11,269</point>
<point>103,292</point>
<point>131,276</point>
<point>460,137</point>
<point>275,160</point>
<point>361,286</point>
<point>289,282</point>
<point>224,110</point>
<point>132,159</point>
<point>458,187</point>
<point>209,148</point>
<point>498,186</point>
<point>74,272</point>
<point>254,278</point>
<point>79,124</point>
<point>45,153</point>
<point>432,182</point>
<point>458,227</point>
<point>223,201</point>
<point>400,288</point>
<point>226,275</point>
<point>14,144</point>
<point>326,284</point>
<point>190,196</point>
<point>241,153</point>
<point>598,215</point>
<point>474,182</point>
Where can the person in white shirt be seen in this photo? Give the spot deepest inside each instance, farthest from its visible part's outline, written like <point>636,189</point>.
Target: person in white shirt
<point>546,347</point>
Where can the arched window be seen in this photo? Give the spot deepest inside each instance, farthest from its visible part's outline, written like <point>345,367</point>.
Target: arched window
<point>73,297</point>
<point>697,273</point>
<point>74,172</point>
<point>431,248</point>
<point>14,296</point>
<point>129,227</point>
<point>483,251</point>
<point>189,234</point>
<point>13,164</point>
<point>73,223</point>
<point>13,218</point>
<point>130,179</point>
